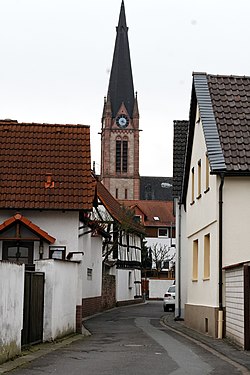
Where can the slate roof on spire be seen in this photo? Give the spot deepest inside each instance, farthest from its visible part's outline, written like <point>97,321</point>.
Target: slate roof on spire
<point>121,87</point>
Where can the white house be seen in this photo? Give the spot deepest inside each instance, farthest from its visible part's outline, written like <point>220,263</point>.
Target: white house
<point>158,220</point>
<point>216,207</point>
<point>46,190</point>
<point>122,250</point>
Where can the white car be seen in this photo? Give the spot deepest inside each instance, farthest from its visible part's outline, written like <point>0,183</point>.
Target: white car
<point>169,299</point>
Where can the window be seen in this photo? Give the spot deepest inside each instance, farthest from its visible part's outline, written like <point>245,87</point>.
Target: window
<point>207,174</point>
<point>57,252</point>
<point>130,280</point>
<point>195,260</point>
<point>199,179</point>
<point>18,251</point>
<point>118,155</point>
<point>125,156</point>
<point>137,218</point>
<point>163,232</point>
<point>207,256</point>
<point>126,194</point>
<point>89,273</point>
<point>166,265</point>
<point>116,193</point>
<point>192,182</point>
<point>121,158</point>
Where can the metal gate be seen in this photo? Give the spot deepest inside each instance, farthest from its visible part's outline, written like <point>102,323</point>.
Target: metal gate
<point>32,332</point>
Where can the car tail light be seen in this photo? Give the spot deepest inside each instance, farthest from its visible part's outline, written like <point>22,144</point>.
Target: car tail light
<point>167,295</point>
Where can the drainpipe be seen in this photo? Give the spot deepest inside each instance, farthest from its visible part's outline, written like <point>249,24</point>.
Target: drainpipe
<point>178,317</point>
<point>220,312</point>
<point>179,261</point>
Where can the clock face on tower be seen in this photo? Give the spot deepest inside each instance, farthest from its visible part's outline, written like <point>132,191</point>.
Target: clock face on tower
<point>122,121</point>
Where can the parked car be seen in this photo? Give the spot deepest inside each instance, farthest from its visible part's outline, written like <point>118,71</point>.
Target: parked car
<point>169,299</point>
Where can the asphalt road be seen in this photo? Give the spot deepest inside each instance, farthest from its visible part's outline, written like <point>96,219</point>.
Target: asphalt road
<point>130,341</point>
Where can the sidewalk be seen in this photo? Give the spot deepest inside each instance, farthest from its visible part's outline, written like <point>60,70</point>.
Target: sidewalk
<point>223,347</point>
<point>40,350</point>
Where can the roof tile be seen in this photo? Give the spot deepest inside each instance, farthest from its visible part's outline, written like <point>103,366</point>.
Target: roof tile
<point>161,209</point>
<point>230,96</point>
<point>30,151</point>
<point>117,211</point>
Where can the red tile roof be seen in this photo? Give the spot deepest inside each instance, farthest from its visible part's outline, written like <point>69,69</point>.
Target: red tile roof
<point>121,214</point>
<point>44,166</point>
<point>161,209</point>
<point>33,227</point>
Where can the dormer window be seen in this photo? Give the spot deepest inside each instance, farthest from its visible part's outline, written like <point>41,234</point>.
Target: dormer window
<point>137,218</point>
<point>163,232</point>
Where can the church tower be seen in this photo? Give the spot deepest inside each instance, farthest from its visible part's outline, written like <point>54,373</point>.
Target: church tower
<point>120,123</point>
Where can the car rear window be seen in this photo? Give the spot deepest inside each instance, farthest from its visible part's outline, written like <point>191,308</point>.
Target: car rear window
<point>171,289</point>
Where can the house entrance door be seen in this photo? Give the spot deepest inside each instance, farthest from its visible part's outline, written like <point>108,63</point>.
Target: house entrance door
<point>18,251</point>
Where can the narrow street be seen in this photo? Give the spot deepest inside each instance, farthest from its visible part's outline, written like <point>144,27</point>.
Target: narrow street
<point>130,340</point>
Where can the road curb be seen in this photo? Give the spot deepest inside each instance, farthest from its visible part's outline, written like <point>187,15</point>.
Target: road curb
<point>222,348</point>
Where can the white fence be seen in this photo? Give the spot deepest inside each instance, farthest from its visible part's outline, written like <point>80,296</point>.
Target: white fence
<point>62,293</point>
<point>158,287</point>
<point>11,309</point>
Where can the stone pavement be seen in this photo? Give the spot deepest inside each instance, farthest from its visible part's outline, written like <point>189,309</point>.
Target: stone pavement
<point>223,347</point>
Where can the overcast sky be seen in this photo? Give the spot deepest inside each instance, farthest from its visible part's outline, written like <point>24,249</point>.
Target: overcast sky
<point>56,57</point>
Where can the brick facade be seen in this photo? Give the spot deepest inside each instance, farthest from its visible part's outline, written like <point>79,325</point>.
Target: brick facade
<point>91,306</point>
<point>116,182</point>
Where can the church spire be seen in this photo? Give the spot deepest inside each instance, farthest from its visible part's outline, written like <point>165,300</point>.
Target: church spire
<point>121,87</point>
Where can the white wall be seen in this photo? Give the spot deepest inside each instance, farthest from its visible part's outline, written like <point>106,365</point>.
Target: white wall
<point>202,219</point>
<point>63,226</point>
<point>125,284</point>
<point>11,309</point>
<point>204,210</point>
<point>204,291</point>
<point>236,219</point>
<point>157,288</point>
<point>62,294</point>
<point>92,258</point>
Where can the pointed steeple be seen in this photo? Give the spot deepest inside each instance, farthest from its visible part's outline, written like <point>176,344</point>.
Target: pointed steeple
<point>121,87</point>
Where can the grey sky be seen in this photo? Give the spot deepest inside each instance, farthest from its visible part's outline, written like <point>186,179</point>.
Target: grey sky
<point>56,56</point>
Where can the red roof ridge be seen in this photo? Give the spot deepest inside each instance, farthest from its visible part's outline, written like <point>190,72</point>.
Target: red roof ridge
<point>11,122</point>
